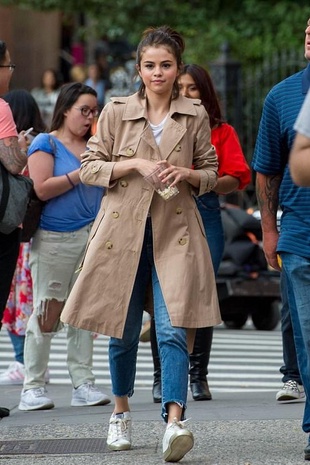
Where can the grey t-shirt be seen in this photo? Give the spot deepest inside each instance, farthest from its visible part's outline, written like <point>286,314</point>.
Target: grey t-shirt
<point>302,124</point>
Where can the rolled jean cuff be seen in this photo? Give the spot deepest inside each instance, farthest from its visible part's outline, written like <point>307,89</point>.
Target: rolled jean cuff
<point>164,412</point>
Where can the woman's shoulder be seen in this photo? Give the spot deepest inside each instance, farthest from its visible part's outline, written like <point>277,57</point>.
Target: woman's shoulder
<point>224,129</point>
<point>41,142</point>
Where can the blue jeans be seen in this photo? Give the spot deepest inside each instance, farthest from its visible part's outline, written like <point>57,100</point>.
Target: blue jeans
<point>290,368</point>
<point>210,211</point>
<point>18,342</point>
<point>297,271</point>
<point>172,341</point>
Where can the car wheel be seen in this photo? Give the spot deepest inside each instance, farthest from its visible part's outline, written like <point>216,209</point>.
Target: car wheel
<point>236,322</point>
<point>267,317</point>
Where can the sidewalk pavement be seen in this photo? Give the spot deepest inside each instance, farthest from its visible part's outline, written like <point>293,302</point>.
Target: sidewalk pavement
<point>240,428</point>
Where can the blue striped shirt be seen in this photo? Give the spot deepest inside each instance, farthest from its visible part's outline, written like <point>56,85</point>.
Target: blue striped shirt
<point>273,144</point>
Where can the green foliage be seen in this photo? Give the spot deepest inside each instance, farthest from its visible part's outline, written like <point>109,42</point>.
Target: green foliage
<point>253,28</point>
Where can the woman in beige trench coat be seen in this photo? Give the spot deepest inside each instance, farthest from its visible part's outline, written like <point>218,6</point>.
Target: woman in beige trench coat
<point>139,238</point>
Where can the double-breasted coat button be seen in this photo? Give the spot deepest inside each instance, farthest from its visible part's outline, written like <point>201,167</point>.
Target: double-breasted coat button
<point>130,152</point>
<point>179,211</point>
<point>95,168</point>
<point>124,183</point>
<point>178,148</point>
<point>115,214</point>
<point>182,241</point>
<point>109,245</point>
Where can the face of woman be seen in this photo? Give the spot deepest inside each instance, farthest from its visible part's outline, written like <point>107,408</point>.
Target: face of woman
<point>79,118</point>
<point>158,70</point>
<point>5,74</point>
<point>188,87</point>
<point>48,80</point>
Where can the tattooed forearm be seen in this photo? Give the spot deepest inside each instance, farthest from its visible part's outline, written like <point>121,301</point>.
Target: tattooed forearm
<point>11,156</point>
<point>267,192</point>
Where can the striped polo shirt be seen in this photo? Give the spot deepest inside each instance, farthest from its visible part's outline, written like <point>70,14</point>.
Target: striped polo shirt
<point>273,144</point>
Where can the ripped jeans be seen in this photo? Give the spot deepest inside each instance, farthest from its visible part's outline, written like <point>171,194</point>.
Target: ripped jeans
<point>54,259</point>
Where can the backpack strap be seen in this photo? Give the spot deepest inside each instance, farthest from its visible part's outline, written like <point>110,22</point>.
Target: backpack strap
<point>5,191</point>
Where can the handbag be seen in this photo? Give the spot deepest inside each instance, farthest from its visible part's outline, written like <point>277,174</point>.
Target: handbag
<point>14,191</point>
<point>32,217</point>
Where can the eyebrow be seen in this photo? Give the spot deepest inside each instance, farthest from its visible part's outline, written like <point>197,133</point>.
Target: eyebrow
<point>162,62</point>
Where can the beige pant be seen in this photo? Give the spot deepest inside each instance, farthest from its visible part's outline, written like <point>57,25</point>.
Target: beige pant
<point>54,259</point>
<point>37,352</point>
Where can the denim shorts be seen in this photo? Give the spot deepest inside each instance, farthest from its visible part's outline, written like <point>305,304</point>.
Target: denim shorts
<point>54,260</point>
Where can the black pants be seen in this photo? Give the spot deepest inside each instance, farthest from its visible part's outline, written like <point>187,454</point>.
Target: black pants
<point>9,250</point>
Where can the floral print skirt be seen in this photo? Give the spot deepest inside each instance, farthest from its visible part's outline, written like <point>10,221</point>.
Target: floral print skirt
<point>20,305</point>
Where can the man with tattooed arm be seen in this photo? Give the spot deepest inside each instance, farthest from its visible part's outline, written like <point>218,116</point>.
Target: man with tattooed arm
<point>13,156</point>
<point>287,250</point>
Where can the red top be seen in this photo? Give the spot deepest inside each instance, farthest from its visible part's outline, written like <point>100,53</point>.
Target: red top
<point>230,155</point>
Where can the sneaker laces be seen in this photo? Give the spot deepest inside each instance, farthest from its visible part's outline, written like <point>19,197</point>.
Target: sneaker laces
<point>291,385</point>
<point>91,387</point>
<point>38,392</point>
<point>180,423</point>
<point>121,426</point>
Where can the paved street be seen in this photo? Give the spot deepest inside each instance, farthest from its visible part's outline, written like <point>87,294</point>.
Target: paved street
<point>242,425</point>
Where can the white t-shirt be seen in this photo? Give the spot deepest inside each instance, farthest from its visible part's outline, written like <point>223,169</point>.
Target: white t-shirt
<point>158,129</point>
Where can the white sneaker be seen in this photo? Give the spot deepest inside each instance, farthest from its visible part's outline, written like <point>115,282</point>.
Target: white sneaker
<point>177,441</point>
<point>35,399</point>
<point>291,390</point>
<point>14,374</point>
<point>119,435</point>
<point>88,394</point>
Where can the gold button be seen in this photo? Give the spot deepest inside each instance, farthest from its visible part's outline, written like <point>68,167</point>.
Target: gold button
<point>95,168</point>
<point>178,148</point>
<point>179,211</point>
<point>182,241</point>
<point>124,183</point>
<point>130,152</point>
<point>115,214</point>
<point>109,245</point>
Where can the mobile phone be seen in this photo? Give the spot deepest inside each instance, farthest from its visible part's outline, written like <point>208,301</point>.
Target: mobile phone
<point>28,132</point>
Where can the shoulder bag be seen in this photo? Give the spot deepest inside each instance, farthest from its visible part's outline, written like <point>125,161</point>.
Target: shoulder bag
<point>14,195</point>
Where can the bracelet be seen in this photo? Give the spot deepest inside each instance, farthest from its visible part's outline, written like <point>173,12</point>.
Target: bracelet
<point>70,180</point>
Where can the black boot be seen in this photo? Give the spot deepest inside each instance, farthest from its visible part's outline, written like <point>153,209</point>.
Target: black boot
<point>156,390</point>
<point>4,412</point>
<point>199,361</point>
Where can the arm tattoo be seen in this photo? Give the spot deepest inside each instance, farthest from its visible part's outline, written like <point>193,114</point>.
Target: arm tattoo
<point>11,156</point>
<point>268,193</point>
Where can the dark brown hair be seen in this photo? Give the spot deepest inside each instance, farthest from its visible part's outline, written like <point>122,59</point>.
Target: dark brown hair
<point>68,95</point>
<point>3,49</point>
<point>25,111</point>
<point>158,37</point>
<point>207,92</point>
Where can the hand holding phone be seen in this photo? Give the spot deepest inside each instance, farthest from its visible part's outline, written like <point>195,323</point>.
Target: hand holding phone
<point>28,132</point>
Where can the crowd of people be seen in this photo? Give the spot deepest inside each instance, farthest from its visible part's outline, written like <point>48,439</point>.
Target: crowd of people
<point>89,167</point>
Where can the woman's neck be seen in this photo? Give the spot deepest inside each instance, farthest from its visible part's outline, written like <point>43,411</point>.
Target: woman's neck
<point>67,137</point>
<point>157,108</point>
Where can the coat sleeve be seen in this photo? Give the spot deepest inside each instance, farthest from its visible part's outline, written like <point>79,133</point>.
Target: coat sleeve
<point>205,158</point>
<point>96,162</point>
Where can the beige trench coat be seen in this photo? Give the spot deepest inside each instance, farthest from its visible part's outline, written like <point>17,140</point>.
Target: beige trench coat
<point>100,297</point>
